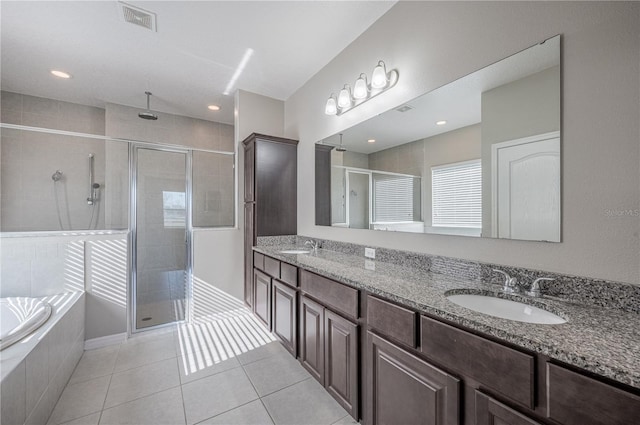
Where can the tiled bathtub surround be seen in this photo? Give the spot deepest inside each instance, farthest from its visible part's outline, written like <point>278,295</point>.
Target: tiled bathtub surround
<point>581,290</point>
<point>36,369</point>
<point>601,340</point>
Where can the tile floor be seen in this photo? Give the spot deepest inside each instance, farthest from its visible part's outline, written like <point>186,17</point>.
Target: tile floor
<point>223,371</point>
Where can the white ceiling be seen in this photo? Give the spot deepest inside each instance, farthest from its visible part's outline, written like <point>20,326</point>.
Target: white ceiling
<point>459,103</point>
<point>187,63</point>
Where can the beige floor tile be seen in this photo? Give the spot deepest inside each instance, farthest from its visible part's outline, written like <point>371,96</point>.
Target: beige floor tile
<point>306,402</point>
<point>163,408</point>
<point>275,373</point>
<point>81,399</point>
<point>252,413</point>
<point>198,365</point>
<point>133,353</point>
<point>142,381</point>
<point>85,420</point>
<point>210,396</point>
<point>95,363</point>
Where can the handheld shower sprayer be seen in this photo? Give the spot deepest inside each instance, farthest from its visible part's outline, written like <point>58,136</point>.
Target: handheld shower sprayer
<point>57,176</point>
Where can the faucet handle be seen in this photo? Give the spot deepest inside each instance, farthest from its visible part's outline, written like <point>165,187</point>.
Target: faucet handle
<point>508,280</point>
<point>535,290</point>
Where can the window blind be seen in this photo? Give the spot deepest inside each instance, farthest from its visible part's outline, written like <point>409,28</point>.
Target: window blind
<point>457,195</point>
<point>395,198</point>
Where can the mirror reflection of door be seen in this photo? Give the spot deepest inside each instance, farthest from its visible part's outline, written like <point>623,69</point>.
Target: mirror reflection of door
<point>526,178</point>
<point>358,185</point>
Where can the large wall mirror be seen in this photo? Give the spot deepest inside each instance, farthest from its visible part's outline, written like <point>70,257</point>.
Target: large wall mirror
<point>477,157</point>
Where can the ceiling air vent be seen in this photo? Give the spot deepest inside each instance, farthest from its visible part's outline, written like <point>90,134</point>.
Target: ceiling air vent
<point>404,108</point>
<point>135,15</point>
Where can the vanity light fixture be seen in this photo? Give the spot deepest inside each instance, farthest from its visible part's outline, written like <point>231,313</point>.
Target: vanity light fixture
<point>213,107</point>
<point>331,108</point>
<point>371,141</point>
<point>361,88</point>
<point>381,80</point>
<point>441,122</point>
<point>60,74</point>
<point>344,98</point>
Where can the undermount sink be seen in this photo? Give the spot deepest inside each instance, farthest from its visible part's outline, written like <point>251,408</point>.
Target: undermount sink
<point>505,309</point>
<point>295,251</point>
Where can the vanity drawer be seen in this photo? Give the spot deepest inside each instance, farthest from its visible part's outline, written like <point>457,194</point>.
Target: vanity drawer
<point>332,294</point>
<point>289,274</point>
<point>258,261</point>
<point>392,321</point>
<point>272,267</point>
<point>574,399</point>
<point>500,368</point>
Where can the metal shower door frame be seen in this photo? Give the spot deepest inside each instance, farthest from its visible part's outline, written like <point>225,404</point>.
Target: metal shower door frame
<point>133,193</point>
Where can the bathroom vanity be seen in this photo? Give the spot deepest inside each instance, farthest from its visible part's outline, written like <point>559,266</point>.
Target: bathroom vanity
<point>390,348</point>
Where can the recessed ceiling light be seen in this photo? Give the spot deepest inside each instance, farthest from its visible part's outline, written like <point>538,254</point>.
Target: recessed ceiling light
<point>213,107</point>
<point>371,140</point>
<point>60,74</point>
<point>442,122</point>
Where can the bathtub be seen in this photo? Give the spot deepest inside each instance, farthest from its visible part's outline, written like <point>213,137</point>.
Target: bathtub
<point>35,368</point>
<point>19,317</point>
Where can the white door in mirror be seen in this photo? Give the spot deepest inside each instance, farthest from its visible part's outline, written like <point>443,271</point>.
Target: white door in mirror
<point>526,188</point>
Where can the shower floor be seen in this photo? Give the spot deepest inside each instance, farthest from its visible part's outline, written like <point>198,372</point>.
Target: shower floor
<point>161,298</point>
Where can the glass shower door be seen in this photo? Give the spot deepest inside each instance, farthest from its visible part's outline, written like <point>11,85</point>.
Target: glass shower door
<point>160,236</point>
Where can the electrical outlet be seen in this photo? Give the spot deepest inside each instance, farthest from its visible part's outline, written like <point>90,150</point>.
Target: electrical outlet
<point>370,265</point>
<point>370,253</point>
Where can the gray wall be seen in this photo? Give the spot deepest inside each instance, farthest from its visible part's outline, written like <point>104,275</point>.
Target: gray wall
<point>522,108</point>
<point>30,158</point>
<point>433,43</point>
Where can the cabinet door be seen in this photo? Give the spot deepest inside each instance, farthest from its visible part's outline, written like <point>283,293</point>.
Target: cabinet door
<point>262,297</point>
<point>284,315</point>
<point>341,361</point>
<point>249,172</point>
<point>249,209</point>
<point>492,412</point>
<point>403,389</point>
<point>312,337</point>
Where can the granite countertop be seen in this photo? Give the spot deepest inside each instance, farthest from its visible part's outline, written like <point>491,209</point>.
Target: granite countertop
<point>600,340</point>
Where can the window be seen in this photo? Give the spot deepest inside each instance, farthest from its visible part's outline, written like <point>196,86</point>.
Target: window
<point>396,198</point>
<point>457,195</point>
<point>174,209</point>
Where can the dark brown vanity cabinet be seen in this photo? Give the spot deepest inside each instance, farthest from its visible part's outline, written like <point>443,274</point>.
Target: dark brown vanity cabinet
<point>284,310</point>
<point>262,297</point>
<point>491,412</point>
<point>270,194</point>
<point>404,389</point>
<point>575,399</point>
<point>328,341</point>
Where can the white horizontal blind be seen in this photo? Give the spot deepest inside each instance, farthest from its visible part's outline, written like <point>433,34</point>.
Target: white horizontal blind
<point>457,195</point>
<point>394,198</point>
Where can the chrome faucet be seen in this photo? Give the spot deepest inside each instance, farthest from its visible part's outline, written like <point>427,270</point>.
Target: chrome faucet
<point>535,290</point>
<point>510,283</point>
<point>313,244</point>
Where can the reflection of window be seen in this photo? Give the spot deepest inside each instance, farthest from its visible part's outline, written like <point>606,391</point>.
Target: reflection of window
<point>174,209</point>
<point>457,195</point>
<point>396,198</point>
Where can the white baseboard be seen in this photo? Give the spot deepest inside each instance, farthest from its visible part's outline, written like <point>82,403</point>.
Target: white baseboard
<point>105,341</point>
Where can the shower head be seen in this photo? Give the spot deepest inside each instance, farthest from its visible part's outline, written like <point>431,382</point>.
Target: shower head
<point>341,148</point>
<point>148,115</point>
<point>56,176</point>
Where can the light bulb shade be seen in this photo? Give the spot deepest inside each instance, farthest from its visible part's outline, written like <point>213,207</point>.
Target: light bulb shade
<point>360,89</point>
<point>331,108</point>
<point>344,98</point>
<point>379,76</point>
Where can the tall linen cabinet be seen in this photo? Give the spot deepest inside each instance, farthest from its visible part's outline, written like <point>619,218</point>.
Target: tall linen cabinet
<point>270,195</point>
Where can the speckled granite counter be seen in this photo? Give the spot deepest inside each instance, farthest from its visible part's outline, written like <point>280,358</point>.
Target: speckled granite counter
<point>603,341</point>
